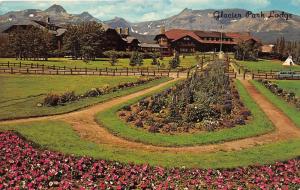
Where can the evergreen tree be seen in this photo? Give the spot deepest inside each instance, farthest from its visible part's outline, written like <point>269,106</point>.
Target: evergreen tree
<point>85,40</point>
<point>136,59</point>
<point>175,61</point>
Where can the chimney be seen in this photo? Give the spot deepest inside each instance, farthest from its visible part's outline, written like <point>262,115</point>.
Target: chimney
<point>126,32</point>
<point>48,20</point>
<point>162,30</point>
<point>119,30</point>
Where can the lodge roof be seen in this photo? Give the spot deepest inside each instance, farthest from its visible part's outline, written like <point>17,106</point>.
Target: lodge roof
<point>53,29</point>
<point>209,37</point>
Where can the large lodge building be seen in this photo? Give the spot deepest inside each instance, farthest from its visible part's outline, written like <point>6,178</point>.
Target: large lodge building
<point>191,41</point>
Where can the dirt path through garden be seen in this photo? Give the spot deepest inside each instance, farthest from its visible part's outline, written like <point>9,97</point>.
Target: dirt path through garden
<point>84,123</point>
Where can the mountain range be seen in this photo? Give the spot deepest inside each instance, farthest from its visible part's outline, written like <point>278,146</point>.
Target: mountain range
<point>264,28</point>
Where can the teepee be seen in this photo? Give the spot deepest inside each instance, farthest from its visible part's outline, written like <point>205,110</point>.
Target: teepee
<point>289,61</point>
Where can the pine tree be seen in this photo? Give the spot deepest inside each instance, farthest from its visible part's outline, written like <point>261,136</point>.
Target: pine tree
<point>136,59</point>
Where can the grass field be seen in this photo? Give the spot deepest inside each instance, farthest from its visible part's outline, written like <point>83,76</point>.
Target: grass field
<point>23,93</point>
<point>186,62</point>
<point>289,85</point>
<point>286,108</point>
<point>267,65</point>
<point>258,125</point>
<point>59,136</point>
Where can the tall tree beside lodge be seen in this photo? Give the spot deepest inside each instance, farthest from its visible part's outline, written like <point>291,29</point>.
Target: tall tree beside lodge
<point>247,50</point>
<point>85,40</point>
<point>32,43</point>
<point>5,51</point>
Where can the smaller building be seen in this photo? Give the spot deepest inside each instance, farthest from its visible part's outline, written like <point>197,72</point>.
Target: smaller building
<point>267,49</point>
<point>57,31</point>
<point>145,47</point>
<point>132,43</point>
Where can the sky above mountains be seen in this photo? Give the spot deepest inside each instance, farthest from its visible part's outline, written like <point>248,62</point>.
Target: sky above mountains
<point>144,10</point>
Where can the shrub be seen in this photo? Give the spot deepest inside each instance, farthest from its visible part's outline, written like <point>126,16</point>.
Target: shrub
<point>136,59</point>
<point>113,55</point>
<point>174,62</point>
<point>122,114</point>
<point>92,93</point>
<point>127,108</point>
<point>155,61</point>
<point>144,103</point>
<point>130,118</point>
<point>68,97</point>
<point>227,108</point>
<point>153,129</point>
<point>240,121</point>
<point>196,113</point>
<point>52,100</point>
<point>157,103</point>
<point>210,125</point>
<point>139,124</point>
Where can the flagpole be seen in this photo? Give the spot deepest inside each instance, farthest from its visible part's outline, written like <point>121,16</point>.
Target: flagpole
<point>221,39</point>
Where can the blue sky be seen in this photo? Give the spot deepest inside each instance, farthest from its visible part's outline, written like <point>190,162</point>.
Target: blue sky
<point>143,10</point>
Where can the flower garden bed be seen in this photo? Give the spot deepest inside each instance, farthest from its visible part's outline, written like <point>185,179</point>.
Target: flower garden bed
<point>25,167</point>
<point>67,97</point>
<point>287,96</point>
<point>205,102</point>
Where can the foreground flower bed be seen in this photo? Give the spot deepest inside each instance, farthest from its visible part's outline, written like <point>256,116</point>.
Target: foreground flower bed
<point>23,166</point>
<point>207,101</point>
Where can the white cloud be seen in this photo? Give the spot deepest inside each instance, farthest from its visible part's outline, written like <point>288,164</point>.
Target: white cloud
<point>150,16</point>
<point>296,2</point>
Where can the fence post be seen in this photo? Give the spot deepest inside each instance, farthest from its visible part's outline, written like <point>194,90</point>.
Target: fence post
<point>31,65</point>
<point>127,71</point>
<point>154,73</point>
<point>27,71</point>
<point>20,64</point>
<point>57,71</point>
<point>239,70</point>
<point>114,72</point>
<point>71,71</point>
<point>266,75</point>
<point>11,70</point>
<point>252,75</point>
<point>244,77</point>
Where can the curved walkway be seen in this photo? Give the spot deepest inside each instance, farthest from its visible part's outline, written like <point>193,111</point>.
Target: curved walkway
<point>84,123</point>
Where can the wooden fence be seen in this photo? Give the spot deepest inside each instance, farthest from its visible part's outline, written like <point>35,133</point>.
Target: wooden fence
<point>99,72</point>
<point>275,76</point>
<point>41,69</point>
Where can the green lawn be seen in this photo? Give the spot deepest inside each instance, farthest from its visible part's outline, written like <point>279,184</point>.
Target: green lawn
<point>258,125</point>
<point>289,85</point>
<point>186,62</point>
<point>267,65</point>
<point>23,93</point>
<point>59,136</point>
<point>24,86</point>
<point>290,110</point>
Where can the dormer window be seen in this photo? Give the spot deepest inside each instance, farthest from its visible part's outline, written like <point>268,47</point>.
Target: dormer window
<point>186,38</point>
